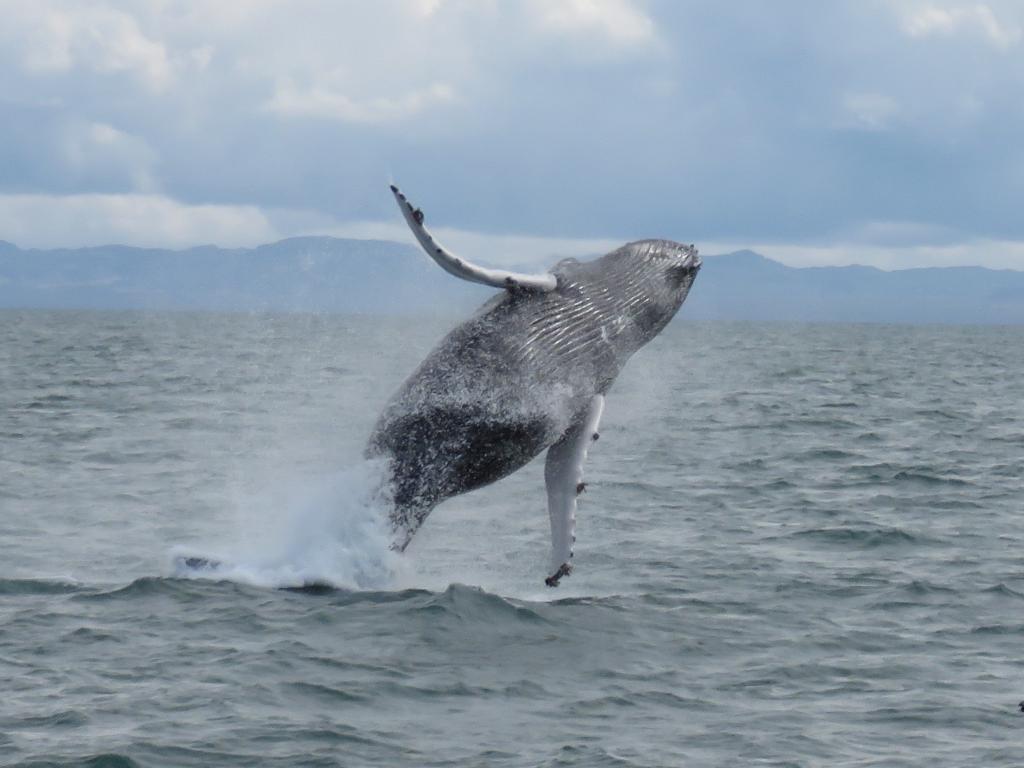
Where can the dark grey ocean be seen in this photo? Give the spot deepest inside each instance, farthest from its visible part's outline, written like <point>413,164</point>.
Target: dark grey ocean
<point>800,545</point>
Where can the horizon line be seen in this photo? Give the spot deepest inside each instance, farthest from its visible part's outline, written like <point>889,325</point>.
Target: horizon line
<point>378,239</point>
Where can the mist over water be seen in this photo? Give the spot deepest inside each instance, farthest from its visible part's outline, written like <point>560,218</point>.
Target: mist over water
<point>330,532</point>
<point>799,545</point>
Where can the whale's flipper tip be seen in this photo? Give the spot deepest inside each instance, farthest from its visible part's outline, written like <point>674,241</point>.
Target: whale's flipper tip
<point>563,570</point>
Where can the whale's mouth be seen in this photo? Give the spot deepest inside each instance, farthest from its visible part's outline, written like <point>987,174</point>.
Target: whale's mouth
<point>684,258</point>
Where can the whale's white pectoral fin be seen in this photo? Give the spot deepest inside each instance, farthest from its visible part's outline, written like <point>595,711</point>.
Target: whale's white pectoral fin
<point>498,278</point>
<point>563,474</point>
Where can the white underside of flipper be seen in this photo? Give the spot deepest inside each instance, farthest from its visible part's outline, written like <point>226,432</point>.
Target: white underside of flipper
<point>563,474</point>
<point>497,278</point>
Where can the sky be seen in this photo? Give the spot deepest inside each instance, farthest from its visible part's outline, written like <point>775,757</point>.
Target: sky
<point>878,132</point>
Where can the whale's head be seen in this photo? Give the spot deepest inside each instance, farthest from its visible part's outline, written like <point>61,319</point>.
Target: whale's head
<point>666,271</point>
<point>640,287</point>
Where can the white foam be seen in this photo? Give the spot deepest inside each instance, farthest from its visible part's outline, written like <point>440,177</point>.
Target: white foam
<point>329,531</point>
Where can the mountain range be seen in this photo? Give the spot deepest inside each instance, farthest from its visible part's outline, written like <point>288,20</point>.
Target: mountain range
<point>325,274</point>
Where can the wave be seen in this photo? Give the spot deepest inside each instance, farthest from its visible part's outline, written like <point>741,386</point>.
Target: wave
<point>889,473</point>
<point>456,607</point>
<point>104,760</point>
<point>867,538</point>
<point>475,604</point>
<point>38,587</point>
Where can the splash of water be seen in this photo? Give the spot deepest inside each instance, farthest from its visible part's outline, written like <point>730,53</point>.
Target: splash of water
<point>331,532</point>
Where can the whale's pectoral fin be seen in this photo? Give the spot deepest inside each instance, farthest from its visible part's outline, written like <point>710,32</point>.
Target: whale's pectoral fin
<point>563,474</point>
<point>498,278</point>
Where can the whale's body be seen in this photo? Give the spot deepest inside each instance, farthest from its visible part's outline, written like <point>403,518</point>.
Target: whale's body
<point>527,373</point>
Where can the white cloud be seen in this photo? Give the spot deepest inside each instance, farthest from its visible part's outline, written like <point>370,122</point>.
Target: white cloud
<point>48,221</point>
<point>899,233</point>
<point>425,8</point>
<point>617,21</point>
<point>933,20</point>
<point>101,151</point>
<point>43,35</point>
<point>200,57</point>
<point>158,221</point>
<point>868,111</point>
<point>323,100</point>
<point>58,37</point>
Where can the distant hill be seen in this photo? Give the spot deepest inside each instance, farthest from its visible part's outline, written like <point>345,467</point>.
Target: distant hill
<point>747,286</point>
<point>324,274</point>
<point>303,274</point>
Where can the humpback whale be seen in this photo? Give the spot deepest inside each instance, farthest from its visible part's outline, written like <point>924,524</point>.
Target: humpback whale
<point>528,372</point>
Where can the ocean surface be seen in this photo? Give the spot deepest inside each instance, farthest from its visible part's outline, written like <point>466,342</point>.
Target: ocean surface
<point>800,545</point>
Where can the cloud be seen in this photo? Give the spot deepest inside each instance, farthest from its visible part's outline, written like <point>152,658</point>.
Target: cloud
<point>563,119</point>
<point>936,21</point>
<point>868,111</point>
<point>97,150</point>
<point>49,221</point>
<point>615,21</point>
<point>59,37</point>
<point>321,100</point>
<point>425,8</point>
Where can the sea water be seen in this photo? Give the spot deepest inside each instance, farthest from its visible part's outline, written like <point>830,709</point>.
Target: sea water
<point>799,545</point>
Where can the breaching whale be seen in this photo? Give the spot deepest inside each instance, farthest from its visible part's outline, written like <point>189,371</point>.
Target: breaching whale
<point>527,373</point>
